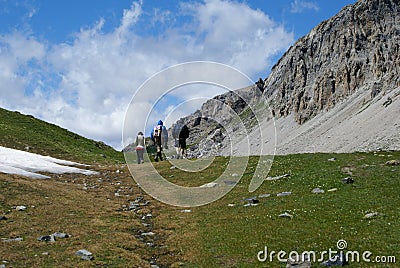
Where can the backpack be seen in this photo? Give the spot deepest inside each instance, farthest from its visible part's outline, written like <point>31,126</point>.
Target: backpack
<point>157,131</point>
<point>176,130</point>
<point>184,133</point>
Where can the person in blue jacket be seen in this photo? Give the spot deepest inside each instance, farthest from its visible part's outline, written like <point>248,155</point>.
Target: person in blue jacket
<point>157,135</point>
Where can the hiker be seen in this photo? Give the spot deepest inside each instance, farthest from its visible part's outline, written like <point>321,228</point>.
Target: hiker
<point>139,143</point>
<point>183,135</point>
<point>164,138</point>
<point>175,135</point>
<point>156,138</point>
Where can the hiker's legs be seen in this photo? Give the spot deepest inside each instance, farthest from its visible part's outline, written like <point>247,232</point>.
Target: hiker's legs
<point>182,148</point>
<point>159,155</point>
<point>183,153</point>
<point>140,156</point>
<point>177,149</point>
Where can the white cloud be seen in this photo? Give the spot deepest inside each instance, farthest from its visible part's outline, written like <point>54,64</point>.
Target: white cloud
<point>235,34</point>
<point>298,6</point>
<point>87,84</point>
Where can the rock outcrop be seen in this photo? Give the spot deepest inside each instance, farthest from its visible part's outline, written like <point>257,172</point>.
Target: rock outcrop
<point>359,47</point>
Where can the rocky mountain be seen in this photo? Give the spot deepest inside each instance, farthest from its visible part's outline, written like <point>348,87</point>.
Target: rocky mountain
<point>335,89</point>
<point>359,47</point>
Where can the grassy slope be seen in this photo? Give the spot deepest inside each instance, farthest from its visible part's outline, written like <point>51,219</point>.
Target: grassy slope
<point>92,215</point>
<point>19,131</point>
<point>217,235</point>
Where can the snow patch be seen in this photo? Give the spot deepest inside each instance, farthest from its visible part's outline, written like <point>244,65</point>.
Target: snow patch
<point>27,164</point>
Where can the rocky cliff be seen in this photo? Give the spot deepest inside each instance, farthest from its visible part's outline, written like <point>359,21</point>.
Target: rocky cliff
<point>359,47</point>
<point>352,59</point>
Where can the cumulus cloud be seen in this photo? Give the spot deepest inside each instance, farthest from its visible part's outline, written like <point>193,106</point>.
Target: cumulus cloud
<point>86,84</point>
<point>298,6</point>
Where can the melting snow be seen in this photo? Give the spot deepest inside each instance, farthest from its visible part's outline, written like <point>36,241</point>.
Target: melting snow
<point>27,164</point>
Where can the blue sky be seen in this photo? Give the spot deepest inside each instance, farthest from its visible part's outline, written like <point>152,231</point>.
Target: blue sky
<point>78,63</point>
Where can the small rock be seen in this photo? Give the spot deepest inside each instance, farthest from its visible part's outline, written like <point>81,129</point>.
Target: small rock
<point>18,239</point>
<point>250,205</point>
<point>230,183</point>
<point>148,234</point>
<point>3,218</point>
<point>146,216</point>
<point>277,177</point>
<point>348,180</point>
<point>20,208</point>
<point>264,195</point>
<point>60,235</point>
<point>252,200</point>
<point>286,215</point>
<point>332,159</point>
<point>45,253</point>
<point>209,185</point>
<point>284,193</point>
<point>235,175</point>
<point>231,205</point>
<point>333,190</point>
<point>47,238</point>
<point>84,254</point>
<point>372,215</point>
<point>318,191</point>
<point>138,199</point>
<point>173,167</point>
<point>393,163</point>
<point>133,206</point>
<point>186,210</point>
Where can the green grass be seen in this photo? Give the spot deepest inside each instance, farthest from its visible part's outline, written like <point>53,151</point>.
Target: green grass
<point>214,235</point>
<point>20,131</point>
<point>232,236</point>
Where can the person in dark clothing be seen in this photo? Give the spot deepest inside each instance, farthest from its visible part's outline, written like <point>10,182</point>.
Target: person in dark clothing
<point>156,136</point>
<point>183,135</point>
